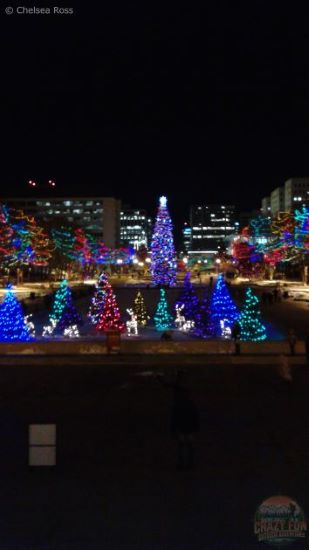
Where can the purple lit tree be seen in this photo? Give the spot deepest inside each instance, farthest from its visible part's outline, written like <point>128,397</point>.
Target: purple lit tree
<point>163,260</point>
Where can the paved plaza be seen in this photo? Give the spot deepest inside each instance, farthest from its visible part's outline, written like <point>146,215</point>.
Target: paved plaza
<point>116,483</point>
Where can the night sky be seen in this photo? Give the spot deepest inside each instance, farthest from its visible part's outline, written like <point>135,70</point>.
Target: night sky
<point>204,103</point>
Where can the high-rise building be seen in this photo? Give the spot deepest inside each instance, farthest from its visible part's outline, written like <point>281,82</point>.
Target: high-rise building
<point>135,228</point>
<point>186,236</point>
<point>99,216</point>
<point>210,227</point>
<point>296,193</point>
<point>266,207</point>
<point>277,201</point>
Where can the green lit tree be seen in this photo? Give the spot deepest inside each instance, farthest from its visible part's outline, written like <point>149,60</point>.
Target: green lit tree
<point>140,310</point>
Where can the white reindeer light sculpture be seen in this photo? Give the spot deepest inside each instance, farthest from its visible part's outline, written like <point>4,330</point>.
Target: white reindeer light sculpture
<point>180,319</point>
<point>132,324</point>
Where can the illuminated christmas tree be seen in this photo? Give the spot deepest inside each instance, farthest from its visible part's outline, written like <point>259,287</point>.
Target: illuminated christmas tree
<point>97,301</point>
<point>163,261</point>
<point>140,311</point>
<point>83,246</point>
<point>70,318</point>
<point>64,315</point>
<point>302,228</point>
<point>13,324</point>
<point>7,256</point>
<point>188,300</point>
<point>163,319</point>
<point>109,318</point>
<point>60,302</point>
<point>64,242</point>
<point>223,312</point>
<point>202,318</point>
<point>251,326</point>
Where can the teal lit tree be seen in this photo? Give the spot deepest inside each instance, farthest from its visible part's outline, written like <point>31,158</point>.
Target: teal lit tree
<point>188,300</point>
<point>70,318</point>
<point>223,312</point>
<point>163,260</point>
<point>97,301</point>
<point>202,319</point>
<point>64,318</point>
<point>251,327</point>
<point>162,318</point>
<point>302,229</point>
<point>60,301</point>
<point>13,326</point>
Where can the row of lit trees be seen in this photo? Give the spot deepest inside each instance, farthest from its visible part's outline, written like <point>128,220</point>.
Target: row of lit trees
<point>214,316</point>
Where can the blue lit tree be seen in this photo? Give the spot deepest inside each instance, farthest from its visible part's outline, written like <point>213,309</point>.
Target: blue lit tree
<point>251,327</point>
<point>163,319</point>
<point>13,326</point>
<point>202,319</point>
<point>188,299</point>
<point>163,260</point>
<point>223,312</point>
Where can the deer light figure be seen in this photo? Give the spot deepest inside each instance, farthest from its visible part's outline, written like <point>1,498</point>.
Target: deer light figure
<point>180,319</point>
<point>132,324</point>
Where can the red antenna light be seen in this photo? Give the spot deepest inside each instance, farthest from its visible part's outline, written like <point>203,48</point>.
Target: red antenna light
<point>32,183</point>
<point>52,183</point>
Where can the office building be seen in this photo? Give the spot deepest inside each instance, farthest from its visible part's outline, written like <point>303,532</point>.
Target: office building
<point>265,207</point>
<point>99,216</point>
<point>135,228</point>
<point>211,225</point>
<point>277,201</point>
<point>296,193</point>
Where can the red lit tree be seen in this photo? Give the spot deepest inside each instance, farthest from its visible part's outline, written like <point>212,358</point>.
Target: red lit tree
<point>109,318</point>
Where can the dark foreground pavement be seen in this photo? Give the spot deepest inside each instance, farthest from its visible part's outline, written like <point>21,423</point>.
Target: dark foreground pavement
<point>116,484</point>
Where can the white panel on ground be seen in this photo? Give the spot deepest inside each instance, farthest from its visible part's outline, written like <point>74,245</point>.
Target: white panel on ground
<point>42,434</point>
<point>42,456</point>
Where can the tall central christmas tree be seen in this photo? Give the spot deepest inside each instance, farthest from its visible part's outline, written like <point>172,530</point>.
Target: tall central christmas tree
<point>251,327</point>
<point>163,260</point>
<point>223,312</point>
<point>13,325</point>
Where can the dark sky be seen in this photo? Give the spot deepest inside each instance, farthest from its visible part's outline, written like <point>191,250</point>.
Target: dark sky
<point>208,102</point>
